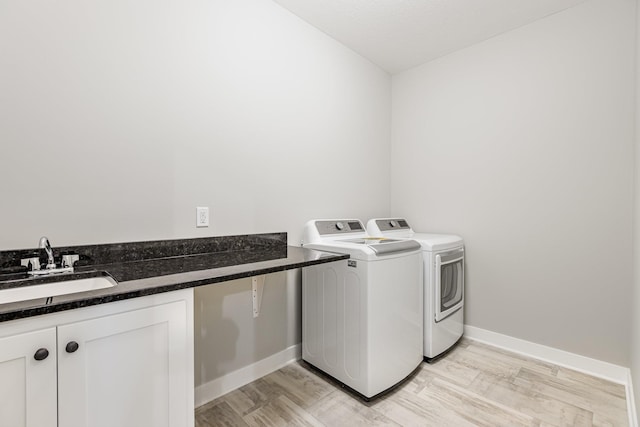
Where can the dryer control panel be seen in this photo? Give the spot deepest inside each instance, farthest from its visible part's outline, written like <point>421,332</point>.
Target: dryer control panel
<point>389,224</point>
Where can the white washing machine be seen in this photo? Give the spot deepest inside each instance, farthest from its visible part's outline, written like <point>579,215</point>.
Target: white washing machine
<point>443,282</point>
<point>362,317</point>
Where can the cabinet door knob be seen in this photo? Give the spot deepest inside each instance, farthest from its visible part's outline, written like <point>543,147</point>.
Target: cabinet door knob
<point>71,347</point>
<point>41,354</point>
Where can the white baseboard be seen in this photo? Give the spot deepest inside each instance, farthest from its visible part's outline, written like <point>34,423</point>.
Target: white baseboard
<point>631,402</point>
<point>597,368</point>
<point>213,389</point>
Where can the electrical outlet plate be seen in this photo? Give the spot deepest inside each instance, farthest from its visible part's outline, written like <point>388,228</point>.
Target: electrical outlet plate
<point>202,217</point>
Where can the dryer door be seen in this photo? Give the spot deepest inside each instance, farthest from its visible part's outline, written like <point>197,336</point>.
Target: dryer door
<point>449,283</point>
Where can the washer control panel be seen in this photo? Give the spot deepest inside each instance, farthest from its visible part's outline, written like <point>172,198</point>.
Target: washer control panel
<point>339,227</point>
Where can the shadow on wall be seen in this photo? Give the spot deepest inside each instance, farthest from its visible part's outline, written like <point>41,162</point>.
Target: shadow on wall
<point>215,336</point>
<point>228,337</point>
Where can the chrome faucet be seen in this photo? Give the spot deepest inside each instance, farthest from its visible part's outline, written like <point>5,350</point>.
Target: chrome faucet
<point>33,263</point>
<point>44,244</point>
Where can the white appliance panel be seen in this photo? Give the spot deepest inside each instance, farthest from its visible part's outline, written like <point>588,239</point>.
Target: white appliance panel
<point>362,317</point>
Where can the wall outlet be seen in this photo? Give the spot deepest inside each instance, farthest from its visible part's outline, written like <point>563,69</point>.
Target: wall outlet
<point>202,217</point>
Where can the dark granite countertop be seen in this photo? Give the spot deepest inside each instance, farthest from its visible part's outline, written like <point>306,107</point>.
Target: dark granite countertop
<point>146,268</point>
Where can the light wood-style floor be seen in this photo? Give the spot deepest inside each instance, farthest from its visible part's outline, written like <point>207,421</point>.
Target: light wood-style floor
<point>474,385</point>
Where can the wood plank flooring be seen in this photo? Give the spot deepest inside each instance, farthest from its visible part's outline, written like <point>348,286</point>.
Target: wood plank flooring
<point>474,385</point>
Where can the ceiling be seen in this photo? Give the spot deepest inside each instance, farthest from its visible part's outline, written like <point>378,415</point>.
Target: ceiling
<point>400,34</point>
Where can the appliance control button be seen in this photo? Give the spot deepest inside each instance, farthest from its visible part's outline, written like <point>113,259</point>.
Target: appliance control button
<point>339,226</point>
<point>393,224</point>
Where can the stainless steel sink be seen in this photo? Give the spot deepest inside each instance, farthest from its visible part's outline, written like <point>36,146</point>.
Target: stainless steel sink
<point>46,290</point>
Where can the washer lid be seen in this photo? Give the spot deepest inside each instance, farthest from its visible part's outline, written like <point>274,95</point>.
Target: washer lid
<point>384,246</point>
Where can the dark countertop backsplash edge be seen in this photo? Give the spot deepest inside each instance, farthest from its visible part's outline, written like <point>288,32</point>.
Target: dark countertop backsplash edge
<point>163,269</point>
<point>110,253</point>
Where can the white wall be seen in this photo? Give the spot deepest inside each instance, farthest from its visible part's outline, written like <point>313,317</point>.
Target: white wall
<point>635,327</point>
<point>523,145</point>
<point>118,118</point>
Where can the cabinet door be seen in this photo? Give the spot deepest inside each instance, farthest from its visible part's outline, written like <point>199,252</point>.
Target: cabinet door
<point>129,370</point>
<point>27,385</point>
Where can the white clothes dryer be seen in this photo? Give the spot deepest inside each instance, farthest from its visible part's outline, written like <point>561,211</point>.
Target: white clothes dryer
<point>443,272</point>
<point>362,317</point>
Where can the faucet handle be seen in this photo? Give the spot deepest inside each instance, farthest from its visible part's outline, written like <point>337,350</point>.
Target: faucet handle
<point>68,260</point>
<point>32,263</point>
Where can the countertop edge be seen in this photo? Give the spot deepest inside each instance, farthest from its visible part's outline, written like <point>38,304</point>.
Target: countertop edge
<point>97,297</point>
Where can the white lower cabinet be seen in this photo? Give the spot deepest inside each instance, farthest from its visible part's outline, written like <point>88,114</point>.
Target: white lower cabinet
<point>28,386</point>
<point>124,364</point>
